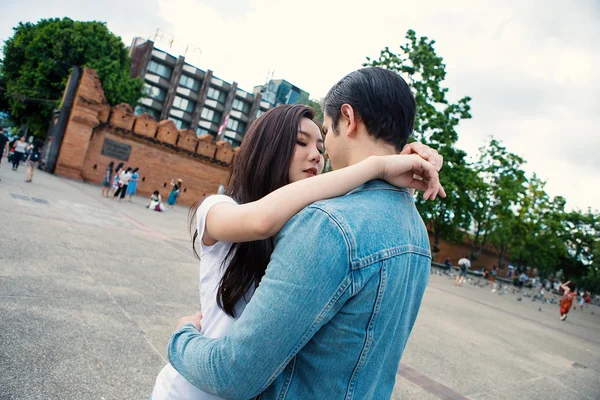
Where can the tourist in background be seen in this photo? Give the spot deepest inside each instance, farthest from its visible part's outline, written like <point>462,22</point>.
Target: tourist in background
<point>107,179</point>
<point>156,202</point>
<point>124,178</point>
<point>464,264</point>
<point>20,147</point>
<point>33,159</point>
<point>132,186</point>
<point>567,300</point>
<point>115,183</point>
<point>3,144</point>
<point>175,192</point>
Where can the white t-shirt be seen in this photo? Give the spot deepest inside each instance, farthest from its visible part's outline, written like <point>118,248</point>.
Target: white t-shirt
<point>170,385</point>
<point>464,262</point>
<point>21,147</point>
<point>125,177</point>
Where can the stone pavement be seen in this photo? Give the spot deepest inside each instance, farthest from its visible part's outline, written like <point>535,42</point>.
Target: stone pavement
<point>90,290</point>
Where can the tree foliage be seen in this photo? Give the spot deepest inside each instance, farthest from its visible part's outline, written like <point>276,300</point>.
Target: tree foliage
<point>38,60</point>
<point>436,125</point>
<point>491,200</point>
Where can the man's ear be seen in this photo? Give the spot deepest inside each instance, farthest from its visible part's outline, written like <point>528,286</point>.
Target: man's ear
<point>350,118</point>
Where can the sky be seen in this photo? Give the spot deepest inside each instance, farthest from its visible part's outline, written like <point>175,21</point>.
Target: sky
<point>532,68</point>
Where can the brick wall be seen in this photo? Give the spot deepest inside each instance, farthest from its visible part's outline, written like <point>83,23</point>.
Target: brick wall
<point>158,149</point>
<point>455,251</point>
<point>158,166</point>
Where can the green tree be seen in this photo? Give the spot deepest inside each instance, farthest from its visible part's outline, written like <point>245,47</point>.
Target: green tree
<point>539,231</point>
<point>38,60</point>
<point>497,197</point>
<point>436,125</point>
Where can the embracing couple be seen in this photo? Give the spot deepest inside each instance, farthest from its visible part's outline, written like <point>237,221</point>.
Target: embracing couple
<point>310,287</point>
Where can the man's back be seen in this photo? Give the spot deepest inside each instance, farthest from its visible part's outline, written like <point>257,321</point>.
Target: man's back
<point>332,314</point>
<point>355,354</point>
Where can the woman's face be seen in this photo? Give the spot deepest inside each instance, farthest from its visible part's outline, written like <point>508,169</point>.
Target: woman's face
<point>307,160</point>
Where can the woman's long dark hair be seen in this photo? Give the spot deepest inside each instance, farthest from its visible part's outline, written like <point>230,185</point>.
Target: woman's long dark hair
<point>261,166</point>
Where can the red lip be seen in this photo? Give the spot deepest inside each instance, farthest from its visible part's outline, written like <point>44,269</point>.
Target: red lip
<point>312,171</point>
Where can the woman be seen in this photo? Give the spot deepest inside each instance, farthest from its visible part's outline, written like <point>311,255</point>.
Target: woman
<point>20,147</point>
<point>156,202</point>
<point>124,178</point>
<point>33,159</point>
<point>268,186</point>
<point>115,183</point>
<point>175,191</point>
<point>107,179</point>
<point>567,299</point>
<point>132,186</point>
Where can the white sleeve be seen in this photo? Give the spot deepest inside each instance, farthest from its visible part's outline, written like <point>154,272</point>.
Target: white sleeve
<point>203,210</point>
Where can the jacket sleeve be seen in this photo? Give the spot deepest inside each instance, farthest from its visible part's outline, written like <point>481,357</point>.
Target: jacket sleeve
<point>303,287</point>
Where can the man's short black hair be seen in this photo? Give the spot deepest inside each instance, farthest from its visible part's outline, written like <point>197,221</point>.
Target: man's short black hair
<point>381,98</point>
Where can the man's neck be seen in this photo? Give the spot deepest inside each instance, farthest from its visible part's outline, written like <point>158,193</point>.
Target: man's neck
<point>370,148</point>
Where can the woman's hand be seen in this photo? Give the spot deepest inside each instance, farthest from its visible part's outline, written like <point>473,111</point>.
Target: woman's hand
<point>194,319</point>
<point>426,153</point>
<point>411,171</point>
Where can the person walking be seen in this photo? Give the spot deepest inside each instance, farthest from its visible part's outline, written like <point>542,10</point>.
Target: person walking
<point>493,278</point>
<point>33,160</point>
<point>132,186</point>
<point>175,191</point>
<point>464,264</point>
<point>20,147</point>
<point>3,144</point>
<point>569,295</point>
<point>107,179</point>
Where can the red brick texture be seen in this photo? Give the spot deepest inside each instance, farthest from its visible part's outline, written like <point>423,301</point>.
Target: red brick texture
<point>145,125</point>
<point>90,108</point>
<point>224,152</point>
<point>121,116</point>
<point>167,132</point>
<point>187,140</point>
<point>206,146</point>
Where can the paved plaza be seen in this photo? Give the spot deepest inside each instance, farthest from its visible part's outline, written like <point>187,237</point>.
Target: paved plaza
<point>91,289</point>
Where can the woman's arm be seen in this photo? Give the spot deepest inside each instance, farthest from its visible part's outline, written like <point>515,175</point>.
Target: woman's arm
<point>263,218</point>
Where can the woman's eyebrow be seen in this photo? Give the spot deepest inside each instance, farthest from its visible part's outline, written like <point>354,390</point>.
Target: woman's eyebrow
<point>320,140</point>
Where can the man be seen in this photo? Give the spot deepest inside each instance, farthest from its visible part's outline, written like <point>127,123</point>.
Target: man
<point>333,312</point>
<point>3,144</point>
<point>464,264</point>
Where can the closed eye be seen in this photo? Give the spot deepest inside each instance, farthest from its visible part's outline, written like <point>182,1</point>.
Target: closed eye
<point>300,143</point>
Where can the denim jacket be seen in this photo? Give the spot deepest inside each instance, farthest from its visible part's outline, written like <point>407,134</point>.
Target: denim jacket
<point>333,312</point>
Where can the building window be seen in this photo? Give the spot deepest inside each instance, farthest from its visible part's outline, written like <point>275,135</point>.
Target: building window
<point>235,125</point>
<point>141,109</point>
<point>154,92</point>
<point>211,115</point>
<point>216,94</point>
<point>234,143</point>
<point>160,69</point>
<point>180,124</point>
<point>189,82</point>
<point>203,131</point>
<point>183,104</point>
<point>241,106</point>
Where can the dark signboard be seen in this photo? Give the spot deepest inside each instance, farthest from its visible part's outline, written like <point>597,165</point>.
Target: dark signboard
<point>116,150</point>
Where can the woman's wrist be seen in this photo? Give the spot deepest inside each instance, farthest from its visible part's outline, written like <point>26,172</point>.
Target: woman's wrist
<point>377,165</point>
